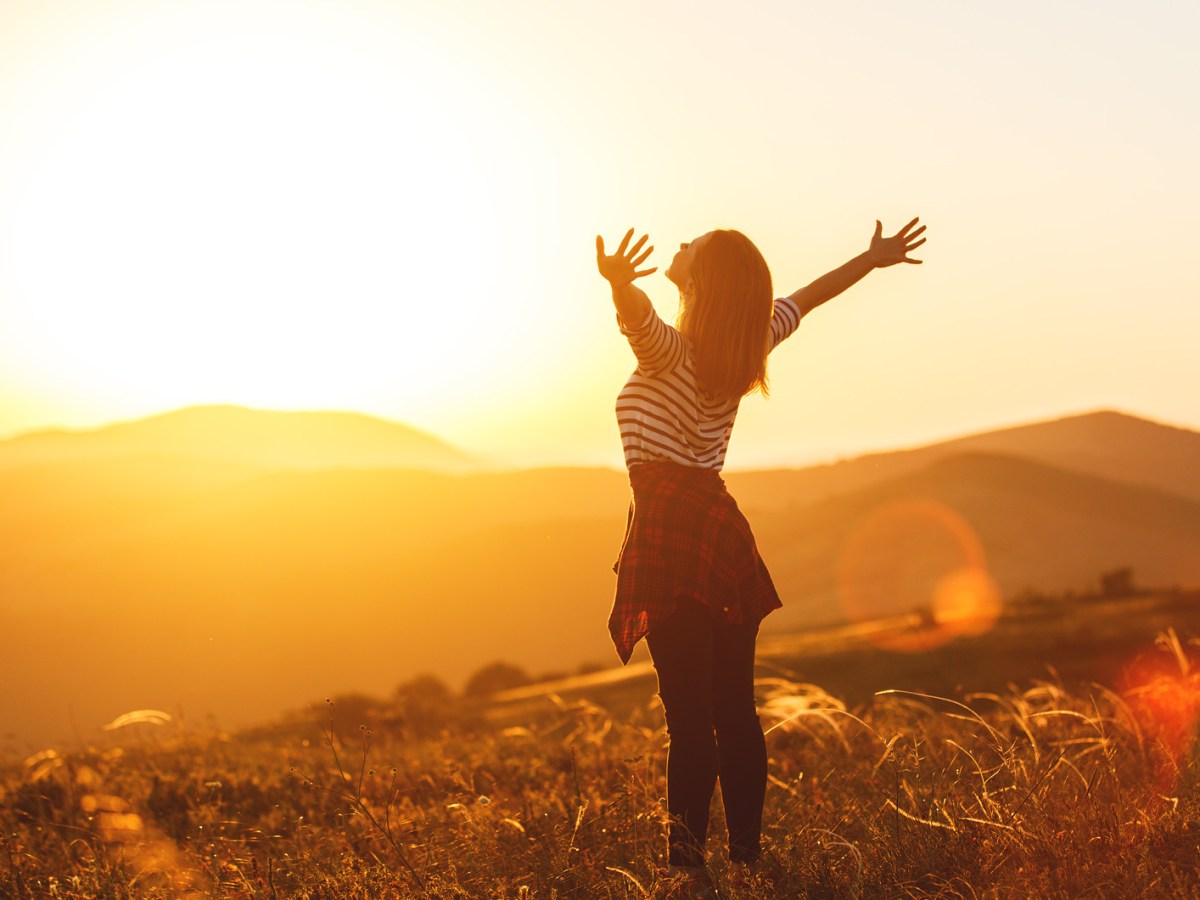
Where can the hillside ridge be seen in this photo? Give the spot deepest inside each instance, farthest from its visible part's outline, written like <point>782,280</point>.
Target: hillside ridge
<point>287,439</point>
<point>1108,444</point>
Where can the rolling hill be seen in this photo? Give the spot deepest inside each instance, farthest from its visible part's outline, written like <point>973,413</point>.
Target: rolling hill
<point>1040,527</point>
<point>268,439</point>
<point>1106,444</point>
<point>222,586</point>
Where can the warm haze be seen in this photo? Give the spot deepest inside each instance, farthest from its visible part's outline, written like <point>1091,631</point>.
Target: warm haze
<point>218,560</point>
<point>307,385</point>
<point>389,208</point>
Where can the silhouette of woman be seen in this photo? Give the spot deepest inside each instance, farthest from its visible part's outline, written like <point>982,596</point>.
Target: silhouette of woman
<point>689,576</point>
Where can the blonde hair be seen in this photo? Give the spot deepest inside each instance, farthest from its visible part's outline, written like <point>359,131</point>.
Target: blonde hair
<point>727,316</point>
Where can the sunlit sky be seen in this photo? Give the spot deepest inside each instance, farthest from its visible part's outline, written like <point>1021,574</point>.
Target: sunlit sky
<point>390,207</point>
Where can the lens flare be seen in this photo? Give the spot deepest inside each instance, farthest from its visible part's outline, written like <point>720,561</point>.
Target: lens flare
<point>1162,687</point>
<point>917,569</point>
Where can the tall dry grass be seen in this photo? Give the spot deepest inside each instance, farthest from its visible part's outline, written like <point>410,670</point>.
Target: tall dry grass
<point>1039,791</point>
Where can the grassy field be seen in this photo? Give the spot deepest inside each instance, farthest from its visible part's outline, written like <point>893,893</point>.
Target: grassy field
<point>1045,787</point>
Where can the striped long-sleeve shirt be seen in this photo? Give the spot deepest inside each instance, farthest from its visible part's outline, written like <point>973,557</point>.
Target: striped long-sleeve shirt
<point>662,413</point>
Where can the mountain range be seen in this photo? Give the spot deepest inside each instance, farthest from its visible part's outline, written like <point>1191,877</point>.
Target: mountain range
<point>238,562</point>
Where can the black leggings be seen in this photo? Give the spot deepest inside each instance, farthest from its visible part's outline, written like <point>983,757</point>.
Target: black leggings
<point>706,681</point>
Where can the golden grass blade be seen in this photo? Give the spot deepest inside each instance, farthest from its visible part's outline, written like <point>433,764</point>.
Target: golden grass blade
<point>978,768</point>
<point>973,714</point>
<point>948,824</point>
<point>139,717</point>
<point>627,874</point>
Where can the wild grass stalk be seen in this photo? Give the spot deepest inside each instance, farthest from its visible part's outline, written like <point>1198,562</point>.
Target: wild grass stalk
<point>1043,790</point>
<point>350,790</point>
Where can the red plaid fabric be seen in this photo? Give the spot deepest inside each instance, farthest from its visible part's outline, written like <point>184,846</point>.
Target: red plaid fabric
<point>685,537</point>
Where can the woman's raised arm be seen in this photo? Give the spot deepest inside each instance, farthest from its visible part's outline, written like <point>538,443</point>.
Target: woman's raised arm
<point>620,270</point>
<point>882,252</point>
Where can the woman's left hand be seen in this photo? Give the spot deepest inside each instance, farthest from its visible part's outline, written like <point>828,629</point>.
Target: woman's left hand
<point>895,249</point>
<point>622,267</point>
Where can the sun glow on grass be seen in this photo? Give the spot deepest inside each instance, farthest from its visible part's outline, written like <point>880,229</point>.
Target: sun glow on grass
<point>1164,688</point>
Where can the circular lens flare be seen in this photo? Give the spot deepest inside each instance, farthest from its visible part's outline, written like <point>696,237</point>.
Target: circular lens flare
<point>916,570</point>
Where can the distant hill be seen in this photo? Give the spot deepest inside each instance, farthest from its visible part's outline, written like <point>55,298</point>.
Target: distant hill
<point>1041,527</point>
<point>183,560</point>
<point>233,435</point>
<point>1107,444</point>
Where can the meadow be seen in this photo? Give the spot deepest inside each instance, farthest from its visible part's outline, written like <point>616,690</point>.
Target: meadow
<point>1045,788</point>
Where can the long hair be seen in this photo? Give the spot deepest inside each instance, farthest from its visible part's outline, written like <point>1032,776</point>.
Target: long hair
<point>728,315</point>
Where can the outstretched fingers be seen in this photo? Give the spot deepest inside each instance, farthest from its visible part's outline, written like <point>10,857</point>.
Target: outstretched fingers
<point>909,248</point>
<point>645,255</point>
<point>887,251</point>
<point>909,240</point>
<point>621,267</point>
<point>903,232</point>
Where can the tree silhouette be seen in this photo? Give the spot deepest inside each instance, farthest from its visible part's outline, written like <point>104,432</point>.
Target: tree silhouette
<point>497,676</point>
<point>1117,582</point>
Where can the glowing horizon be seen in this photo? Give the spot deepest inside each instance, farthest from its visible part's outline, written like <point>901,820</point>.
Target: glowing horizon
<point>389,209</point>
<point>489,458</point>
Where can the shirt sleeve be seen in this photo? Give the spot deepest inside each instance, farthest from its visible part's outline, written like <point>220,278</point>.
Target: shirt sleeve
<point>784,321</point>
<point>658,347</point>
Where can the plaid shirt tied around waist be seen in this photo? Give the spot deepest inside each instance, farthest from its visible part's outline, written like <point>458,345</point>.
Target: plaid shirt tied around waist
<point>685,537</point>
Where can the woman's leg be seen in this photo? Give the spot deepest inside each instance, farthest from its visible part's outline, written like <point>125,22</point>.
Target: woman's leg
<point>682,651</point>
<point>741,747</point>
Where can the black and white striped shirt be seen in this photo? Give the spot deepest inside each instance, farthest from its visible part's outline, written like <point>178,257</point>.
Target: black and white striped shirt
<point>661,412</point>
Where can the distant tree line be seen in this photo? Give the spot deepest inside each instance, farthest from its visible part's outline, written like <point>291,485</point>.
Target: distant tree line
<point>424,706</point>
<point>1113,584</point>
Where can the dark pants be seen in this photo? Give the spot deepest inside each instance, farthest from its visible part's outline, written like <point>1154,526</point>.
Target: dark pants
<point>706,681</point>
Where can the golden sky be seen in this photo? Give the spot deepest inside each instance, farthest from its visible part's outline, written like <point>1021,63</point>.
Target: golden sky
<point>390,207</point>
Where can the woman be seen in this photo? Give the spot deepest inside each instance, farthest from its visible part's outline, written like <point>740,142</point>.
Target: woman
<point>690,579</point>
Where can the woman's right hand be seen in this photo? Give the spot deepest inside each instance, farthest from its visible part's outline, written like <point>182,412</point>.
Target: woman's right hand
<point>621,268</point>
<point>888,251</point>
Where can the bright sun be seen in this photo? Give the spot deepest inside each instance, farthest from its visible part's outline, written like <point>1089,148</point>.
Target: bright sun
<point>296,212</point>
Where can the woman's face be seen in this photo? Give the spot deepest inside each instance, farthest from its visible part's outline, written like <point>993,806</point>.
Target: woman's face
<point>680,269</point>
